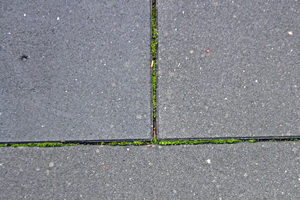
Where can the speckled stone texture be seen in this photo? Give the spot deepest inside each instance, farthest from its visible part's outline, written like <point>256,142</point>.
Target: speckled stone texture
<point>247,86</point>
<point>75,70</point>
<point>232,171</point>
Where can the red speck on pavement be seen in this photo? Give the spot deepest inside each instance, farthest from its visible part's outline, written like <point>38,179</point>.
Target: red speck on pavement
<point>207,50</point>
<point>106,167</point>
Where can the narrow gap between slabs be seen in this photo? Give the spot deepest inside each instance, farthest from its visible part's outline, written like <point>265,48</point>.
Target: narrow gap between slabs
<point>150,143</point>
<point>153,65</point>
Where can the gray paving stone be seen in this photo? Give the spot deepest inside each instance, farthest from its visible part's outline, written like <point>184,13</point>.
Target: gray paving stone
<point>75,70</point>
<point>247,86</point>
<point>237,171</point>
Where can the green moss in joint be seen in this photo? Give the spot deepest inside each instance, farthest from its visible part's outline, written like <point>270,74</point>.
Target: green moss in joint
<point>252,140</point>
<point>46,144</point>
<point>154,52</point>
<point>139,143</point>
<point>113,143</point>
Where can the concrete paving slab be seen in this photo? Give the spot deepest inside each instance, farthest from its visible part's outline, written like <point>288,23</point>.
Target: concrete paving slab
<point>228,68</point>
<point>75,70</point>
<point>233,171</point>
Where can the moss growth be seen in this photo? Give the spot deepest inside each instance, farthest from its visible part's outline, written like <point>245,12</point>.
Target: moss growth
<point>195,142</point>
<point>154,141</point>
<point>218,141</point>
<point>123,143</point>
<point>114,143</point>
<point>46,144</point>
<point>140,143</point>
<point>154,52</point>
<point>200,141</point>
<point>169,142</point>
<point>252,140</point>
<point>291,140</point>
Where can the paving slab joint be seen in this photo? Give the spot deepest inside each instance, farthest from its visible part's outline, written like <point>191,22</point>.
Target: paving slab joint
<point>153,64</point>
<point>155,142</point>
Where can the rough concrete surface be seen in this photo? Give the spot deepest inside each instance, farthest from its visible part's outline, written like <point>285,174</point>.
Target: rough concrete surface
<point>232,171</point>
<point>246,86</point>
<point>75,70</point>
